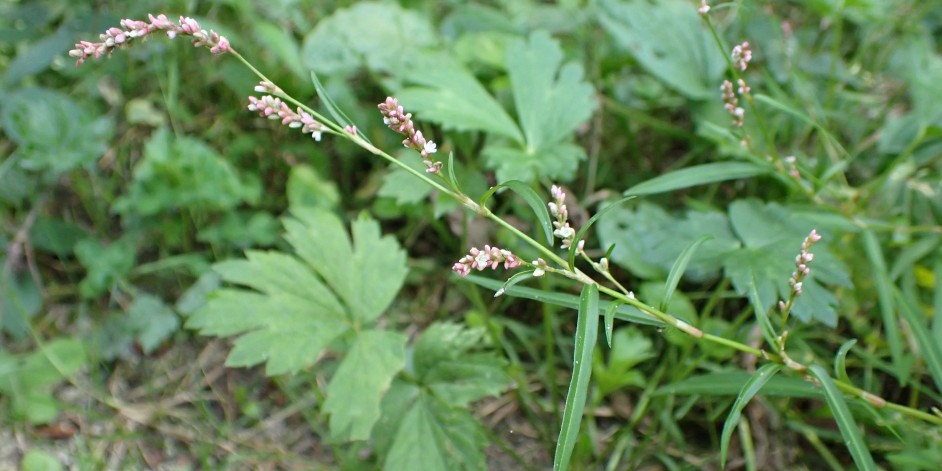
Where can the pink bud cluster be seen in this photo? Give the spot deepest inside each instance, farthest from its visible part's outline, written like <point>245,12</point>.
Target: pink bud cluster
<point>401,122</point>
<point>791,163</point>
<point>273,108</point>
<point>742,55</point>
<point>704,8</point>
<point>115,38</point>
<point>489,257</point>
<point>731,102</point>
<point>801,262</point>
<point>558,210</point>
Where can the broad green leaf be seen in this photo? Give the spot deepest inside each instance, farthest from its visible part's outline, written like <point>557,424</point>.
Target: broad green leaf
<point>447,359</point>
<point>364,375</point>
<point>286,312</point>
<point>152,321</point>
<point>39,55</point>
<point>929,347</point>
<point>840,360</point>
<point>623,312</point>
<point>27,379</point>
<point>40,460</point>
<point>434,437</point>
<point>551,99</point>
<point>884,291</point>
<point>184,172</point>
<point>306,187</point>
<point>748,391</point>
<point>587,325</point>
<point>106,265</point>
<point>558,162</point>
<point>669,40</point>
<point>630,346</point>
<point>677,271</point>
<point>402,185</point>
<point>380,36</point>
<point>20,301</point>
<point>366,274</point>
<point>447,93</point>
<point>532,199</point>
<point>580,234</point>
<point>697,175</point>
<point>52,132</point>
<point>853,439</point>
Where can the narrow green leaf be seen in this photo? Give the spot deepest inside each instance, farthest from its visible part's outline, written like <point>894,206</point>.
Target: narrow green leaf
<point>840,360</point>
<point>807,119</point>
<point>845,422</point>
<point>762,317</point>
<point>536,204</point>
<point>517,278</point>
<point>588,224</point>
<point>885,297</point>
<point>624,312</point>
<point>730,383</point>
<point>533,200</point>
<point>610,321</point>
<point>587,325</point>
<point>929,347</point>
<point>937,304</point>
<point>680,266</point>
<point>697,175</point>
<point>335,112</point>
<point>748,391</point>
<point>451,172</point>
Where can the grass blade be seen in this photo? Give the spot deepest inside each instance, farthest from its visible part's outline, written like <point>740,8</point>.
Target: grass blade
<point>885,296</point>
<point>853,439</point>
<point>697,175</point>
<point>748,391</point>
<point>587,329</point>
<point>931,351</point>
<point>680,266</point>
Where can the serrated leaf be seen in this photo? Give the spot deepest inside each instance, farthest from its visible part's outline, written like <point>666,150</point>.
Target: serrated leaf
<point>551,99</point>
<point>580,234</point>
<point>401,185</point>
<point>853,439</point>
<point>683,55</point>
<point>287,314</point>
<point>587,325</point>
<point>364,375</point>
<point>559,162</point>
<point>697,175</point>
<point>446,363</point>
<point>448,94</point>
<point>434,437</point>
<point>748,391</point>
<point>630,346</point>
<point>366,275</point>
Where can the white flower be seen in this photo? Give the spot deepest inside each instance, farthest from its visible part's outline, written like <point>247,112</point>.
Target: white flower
<point>430,147</point>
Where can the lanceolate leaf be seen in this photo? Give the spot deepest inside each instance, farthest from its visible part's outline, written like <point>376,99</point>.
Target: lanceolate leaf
<point>364,375</point>
<point>587,326</point>
<point>680,266</point>
<point>845,422</point>
<point>884,288</point>
<point>533,200</point>
<point>840,360</point>
<point>697,175</point>
<point>930,348</point>
<point>748,391</point>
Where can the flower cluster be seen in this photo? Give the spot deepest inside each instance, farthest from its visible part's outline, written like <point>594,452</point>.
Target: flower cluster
<point>273,108</point>
<point>742,55</point>
<point>704,8</point>
<point>489,257</point>
<point>801,262</point>
<point>401,122</point>
<point>115,38</point>
<point>791,163</point>
<point>558,210</point>
<point>731,103</point>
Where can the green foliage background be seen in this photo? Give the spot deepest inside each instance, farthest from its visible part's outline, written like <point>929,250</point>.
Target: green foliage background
<point>185,282</point>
